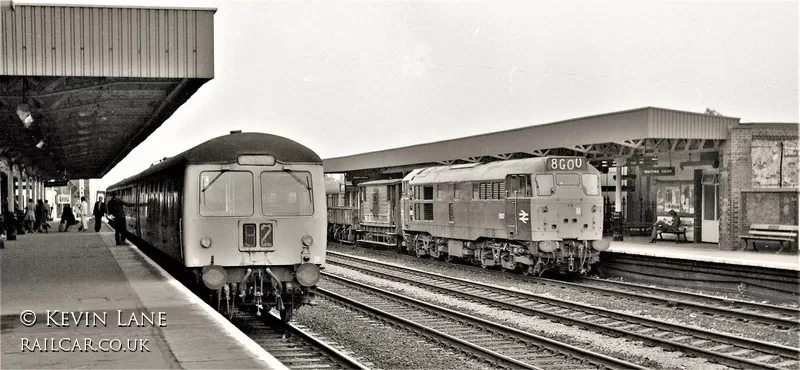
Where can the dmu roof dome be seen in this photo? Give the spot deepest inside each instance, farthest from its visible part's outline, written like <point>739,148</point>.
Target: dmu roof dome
<point>226,149</point>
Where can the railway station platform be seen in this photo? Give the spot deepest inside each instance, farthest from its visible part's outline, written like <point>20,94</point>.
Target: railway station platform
<point>704,252</point>
<point>76,300</point>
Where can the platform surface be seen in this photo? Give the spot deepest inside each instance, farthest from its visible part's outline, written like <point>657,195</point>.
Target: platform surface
<point>706,252</point>
<point>84,274</point>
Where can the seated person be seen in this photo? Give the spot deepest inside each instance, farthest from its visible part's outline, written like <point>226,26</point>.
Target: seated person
<point>665,226</point>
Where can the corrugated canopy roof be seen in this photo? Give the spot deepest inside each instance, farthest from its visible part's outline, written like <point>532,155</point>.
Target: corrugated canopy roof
<point>617,127</point>
<point>95,93</point>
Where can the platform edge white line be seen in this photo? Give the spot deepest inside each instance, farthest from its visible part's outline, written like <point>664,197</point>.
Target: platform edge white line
<point>259,352</point>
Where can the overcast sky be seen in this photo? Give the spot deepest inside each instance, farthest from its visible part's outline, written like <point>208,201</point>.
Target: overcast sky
<point>347,77</point>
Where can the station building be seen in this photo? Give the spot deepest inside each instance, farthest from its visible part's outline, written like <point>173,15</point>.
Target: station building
<point>712,170</point>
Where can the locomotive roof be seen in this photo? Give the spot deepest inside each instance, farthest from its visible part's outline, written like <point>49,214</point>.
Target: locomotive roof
<point>480,172</point>
<point>226,149</point>
<point>381,182</point>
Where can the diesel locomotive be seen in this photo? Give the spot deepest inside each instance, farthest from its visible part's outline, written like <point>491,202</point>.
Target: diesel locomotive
<point>528,215</point>
<point>243,217</point>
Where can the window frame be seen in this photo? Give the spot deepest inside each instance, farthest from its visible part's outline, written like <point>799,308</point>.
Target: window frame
<point>552,184</point>
<point>597,184</point>
<point>149,194</point>
<point>310,193</point>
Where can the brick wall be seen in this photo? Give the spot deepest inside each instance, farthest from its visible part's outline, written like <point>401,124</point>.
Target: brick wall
<point>736,178</point>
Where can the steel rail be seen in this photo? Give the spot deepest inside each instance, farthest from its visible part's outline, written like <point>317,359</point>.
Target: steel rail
<point>347,360</point>
<point>555,346</point>
<point>767,348</point>
<point>304,351</point>
<point>769,319</point>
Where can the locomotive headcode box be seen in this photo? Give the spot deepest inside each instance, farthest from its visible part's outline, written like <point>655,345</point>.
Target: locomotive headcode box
<point>565,163</point>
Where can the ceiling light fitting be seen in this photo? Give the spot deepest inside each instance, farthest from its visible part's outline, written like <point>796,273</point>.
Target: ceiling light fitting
<point>24,113</point>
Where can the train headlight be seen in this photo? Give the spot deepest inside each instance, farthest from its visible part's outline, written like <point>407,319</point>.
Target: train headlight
<point>205,242</point>
<point>548,246</point>
<point>214,277</point>
<point>307,274</point>
<point>308,240</point>
<point>600,245</point>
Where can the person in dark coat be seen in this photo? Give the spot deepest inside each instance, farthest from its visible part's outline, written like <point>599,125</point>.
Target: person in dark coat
<point>99,212</point>
<point>41,217</point>
<point>116,210</point>
<point>67,217</point>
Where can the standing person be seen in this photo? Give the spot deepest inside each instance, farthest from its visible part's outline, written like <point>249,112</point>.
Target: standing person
<point>67,217</point>
<point>116,209</point>
<point>666,226</point>
<point>99,212</point>
<point>82,213</point>
<point>48,211</point>
<point>30,215</point>
<point>41,217</point>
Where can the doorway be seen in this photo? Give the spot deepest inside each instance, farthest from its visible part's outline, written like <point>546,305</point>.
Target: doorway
<point>710,210</point>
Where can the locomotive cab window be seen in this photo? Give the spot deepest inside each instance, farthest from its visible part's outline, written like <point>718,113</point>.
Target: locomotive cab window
<point>544,184</point>
<point>286,193</point>
<point>567,179</point>
<point>226,193</point>
<point>520,186</point>
<point>590,183</point>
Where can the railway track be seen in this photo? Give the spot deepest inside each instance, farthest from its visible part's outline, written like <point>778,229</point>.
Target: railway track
<point>498,344</point>
<point>721,348</point>
<point>784,318</point>
<point>292,345</point>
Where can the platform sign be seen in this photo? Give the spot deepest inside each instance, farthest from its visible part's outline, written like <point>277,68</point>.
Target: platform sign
<point>642,161</point>
<point>565,163</point>
<point>659,171</point>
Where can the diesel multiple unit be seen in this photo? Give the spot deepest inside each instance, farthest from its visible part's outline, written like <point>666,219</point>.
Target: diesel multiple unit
<point>243,215</point>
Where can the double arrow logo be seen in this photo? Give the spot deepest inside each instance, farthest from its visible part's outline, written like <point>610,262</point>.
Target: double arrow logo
<point>523,216</point>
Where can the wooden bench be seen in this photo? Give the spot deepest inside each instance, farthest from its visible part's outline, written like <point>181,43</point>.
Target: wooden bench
<point>784,234</point>
<point>681,231</point>
<point>641,227</point>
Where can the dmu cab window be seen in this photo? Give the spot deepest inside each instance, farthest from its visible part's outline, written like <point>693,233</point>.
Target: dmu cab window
<point>286,194</point>
<point>590,183</point>
<point>226,193</point>
<point>544,184</point>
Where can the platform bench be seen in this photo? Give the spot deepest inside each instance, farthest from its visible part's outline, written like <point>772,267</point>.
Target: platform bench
<point>681,231</point>
<point>642,228</point>
<point>784,234</point>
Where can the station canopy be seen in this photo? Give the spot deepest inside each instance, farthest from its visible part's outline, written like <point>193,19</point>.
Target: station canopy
<point>603,138</point>
<point>80,87</point>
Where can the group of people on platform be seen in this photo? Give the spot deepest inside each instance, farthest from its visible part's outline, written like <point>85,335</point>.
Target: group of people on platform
<point>36,216</point>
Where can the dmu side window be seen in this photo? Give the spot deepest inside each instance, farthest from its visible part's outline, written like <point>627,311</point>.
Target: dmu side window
<point>226,193</point>
<point>287,194</point>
